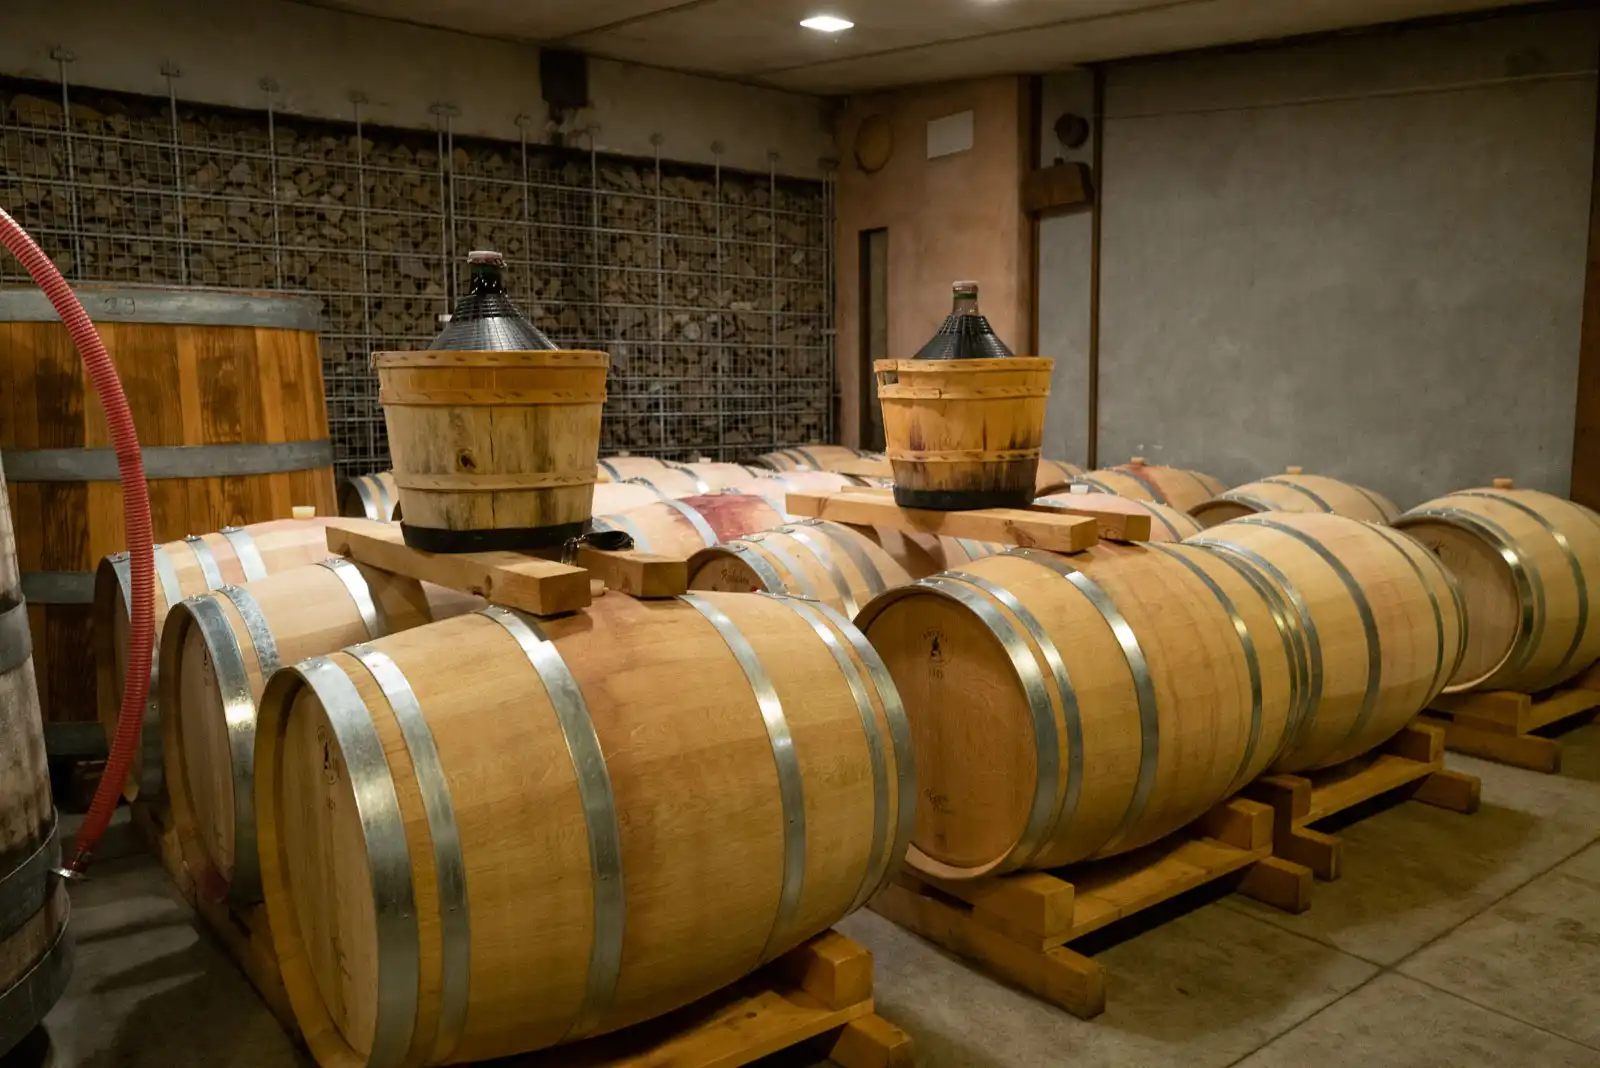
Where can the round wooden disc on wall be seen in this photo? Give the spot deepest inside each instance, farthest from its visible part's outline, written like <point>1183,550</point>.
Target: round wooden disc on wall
<point>874,143</point>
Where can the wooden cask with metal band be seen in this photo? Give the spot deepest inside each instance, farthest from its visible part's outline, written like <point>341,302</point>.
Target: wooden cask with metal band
<point>373,496</point>
<point>184,568</point>
<point>613,497</point>
<point>217,652</point>
<point>1529,568</point>
<point>492,450</point>
<point>35,945</point>
<point>1054,476</point>
<point>1176,487</point>
<point>1294,491</point>
<point>1381,617</point>
<point>680,528</point>
<point>622,468</point>
<point>1166,523</point>
<point>1065,708</point>
<point>226,392</point>
<point>491,835</point>
<point>776,489</point>
<point>808,457</point>
<point>840,565</point>
<point>964,433</point>
<point>671,483</point>
<point>716,476</point>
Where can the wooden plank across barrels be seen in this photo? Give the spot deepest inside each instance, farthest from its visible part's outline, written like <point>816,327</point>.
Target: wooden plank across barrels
<point>818,995</point>
<point>226,390</point>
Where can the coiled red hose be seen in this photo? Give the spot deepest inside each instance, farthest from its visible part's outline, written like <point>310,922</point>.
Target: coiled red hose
<point>136,515</point>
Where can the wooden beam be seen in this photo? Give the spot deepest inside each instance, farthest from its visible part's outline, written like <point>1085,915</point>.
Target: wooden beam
<point>636,574</point>
<point>1115,518</point>
<point>1586,431</point>
<point>1009,526</point>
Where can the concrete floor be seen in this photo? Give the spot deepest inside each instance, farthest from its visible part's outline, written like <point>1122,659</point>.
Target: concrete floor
<point>1451,941</point>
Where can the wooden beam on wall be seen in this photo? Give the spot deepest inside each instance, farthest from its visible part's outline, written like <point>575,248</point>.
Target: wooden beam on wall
<point>1586,426</point>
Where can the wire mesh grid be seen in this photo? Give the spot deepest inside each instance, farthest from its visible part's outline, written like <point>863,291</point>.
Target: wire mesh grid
<point>710,288</point>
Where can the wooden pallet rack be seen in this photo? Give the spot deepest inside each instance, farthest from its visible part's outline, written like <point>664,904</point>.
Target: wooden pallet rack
<point>1411,764</point>
<point>1020,926</point>
<point>1513,728</point>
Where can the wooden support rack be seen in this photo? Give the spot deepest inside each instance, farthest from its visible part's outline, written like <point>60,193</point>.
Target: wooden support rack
<point>1019,926</point>
<point>535,584</point>
<point>1058,528</point>
<point>1411,764</point>
<point>1501,725</point>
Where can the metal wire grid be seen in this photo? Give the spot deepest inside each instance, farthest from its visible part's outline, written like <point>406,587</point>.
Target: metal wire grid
<point>710,288</point>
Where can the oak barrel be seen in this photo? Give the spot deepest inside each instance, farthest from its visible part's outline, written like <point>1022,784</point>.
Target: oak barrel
<point>490,835</point>
<point>1054,476</point>
<point>1529,568</point>
<point>1066,708</point>
<point>808,457</point>
<point>613,497</point>
<point>184,568</point>
<point>1176,487</point>
<point>226,391</point>
<point>1381,618</point>
<point>623,467</point>
<point>964,433</point>
<point>493,450</point>
<point>680,528</point>
<point>776,489</point>
<point>1166,522</point>
<point>373,496</point>
<point>217,652</point>
<point>671,483</point>
<point>841,565</point>
<point>1295,491</point>
<point>716,476</point>
<point>35,945</point>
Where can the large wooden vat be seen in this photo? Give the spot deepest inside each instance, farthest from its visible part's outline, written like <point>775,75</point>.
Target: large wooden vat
<point>373,496</point>
<point>838,564</point>
<point>1381,618</point>
<point>1176,487</point>
<point>226,391</point>
<point>964,433</point>
<point>1295,491</point>
<point>35,946</point>
<point>1065,708</point>
<point>493,450</point>
<point>1529,568</point>
<point>479,838</point>
<point>680,528</point>
<point>184,568</point>
<point>217,652</point>
<point>1054,476</point>
<point>1166,522</point>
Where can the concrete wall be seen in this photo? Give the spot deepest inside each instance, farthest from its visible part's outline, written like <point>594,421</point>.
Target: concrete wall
<point>318,57</point>
<point>1364,256</point>
<point>953,217</point>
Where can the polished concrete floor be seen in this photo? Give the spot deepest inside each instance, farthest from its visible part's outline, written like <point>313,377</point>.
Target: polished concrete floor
<point>1451,941</point>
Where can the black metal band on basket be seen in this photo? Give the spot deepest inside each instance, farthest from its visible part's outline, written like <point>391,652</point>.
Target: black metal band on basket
<point>503,539</point>
<point>963,500</point>
<point>16,643</point>
<point>23,1005</point>
<point>24,888</point>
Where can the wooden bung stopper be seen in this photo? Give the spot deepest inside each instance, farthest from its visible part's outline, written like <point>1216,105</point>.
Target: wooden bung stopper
<point>303,511</point>
<point>1293,469</point>
<point>1137,461</point>
<point>1503,483</point>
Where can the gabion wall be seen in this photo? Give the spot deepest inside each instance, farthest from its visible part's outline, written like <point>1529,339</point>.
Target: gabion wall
<point>711,289</point>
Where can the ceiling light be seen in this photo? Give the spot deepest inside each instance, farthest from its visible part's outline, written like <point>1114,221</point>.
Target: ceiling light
<point>826,23</point>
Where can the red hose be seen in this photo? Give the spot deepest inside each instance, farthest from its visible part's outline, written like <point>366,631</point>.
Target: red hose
<point>136,515</point>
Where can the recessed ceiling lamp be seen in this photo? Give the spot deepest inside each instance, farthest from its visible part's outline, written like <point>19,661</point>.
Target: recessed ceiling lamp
<point>826,23</point>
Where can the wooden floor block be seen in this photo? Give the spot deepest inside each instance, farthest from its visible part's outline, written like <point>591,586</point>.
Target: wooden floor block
<point>1451,790</point>
<point>1498,725</point>
<point>1283,884</point>
<point>1321,853</point>
<point>872,1042</point>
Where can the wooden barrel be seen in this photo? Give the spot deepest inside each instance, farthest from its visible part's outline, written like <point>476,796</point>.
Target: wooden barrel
<point>1166,523</point>
<point>217,652</point>
<point>840,565</point>
<point>183,569</point>
<point>373,496</point>
<point>479,837</point>
<point>808,458</point>
<point>35,945</point>
<point>1381,618</point>
<point>226,391</point>
<point>1054,476</point>
<point>613,497</point>
<point>1529,568</point>
<point>623,467</point>
<point>1176,487</point>
<point>776,490</point>
<point>680,528</point>
<point>1294,491</point>
<point>493,450</point>
<point>964,433</point>
<point>1066,708</point>
<point>716,476</point>
<point>671,483</point>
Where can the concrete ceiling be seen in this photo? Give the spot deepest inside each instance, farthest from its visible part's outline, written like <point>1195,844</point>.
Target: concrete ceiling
<point>894,42</point>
